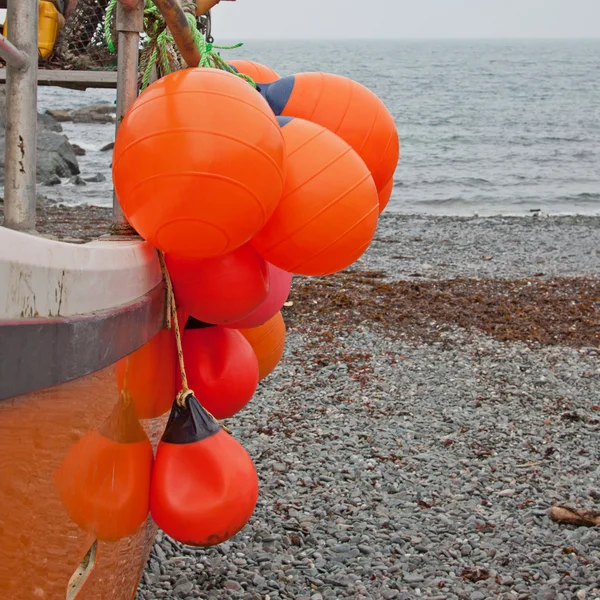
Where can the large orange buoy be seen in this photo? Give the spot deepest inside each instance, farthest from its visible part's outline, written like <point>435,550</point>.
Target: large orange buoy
<point>280,284</point>
<point>222,289</point>
<point>268,342</point>
<point>348,109</point>
<point>328,213</point>
<point>204,484</point>
<point>385,194</point>
<point>104,481</point>
<point>198,163</point>
<point>259,73</point>
<point>149,375</point>
<point>221,368</point>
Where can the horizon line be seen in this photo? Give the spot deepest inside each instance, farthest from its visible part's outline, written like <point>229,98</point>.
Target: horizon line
<point>414,39</point>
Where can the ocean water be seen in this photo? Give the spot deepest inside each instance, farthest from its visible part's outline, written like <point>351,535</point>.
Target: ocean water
<point>486,127</point>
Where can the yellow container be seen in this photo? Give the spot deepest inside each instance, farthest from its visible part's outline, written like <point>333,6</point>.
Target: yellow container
<point>49,25</point>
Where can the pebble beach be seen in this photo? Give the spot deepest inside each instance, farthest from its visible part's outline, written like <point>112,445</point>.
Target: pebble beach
<point>434,402</point>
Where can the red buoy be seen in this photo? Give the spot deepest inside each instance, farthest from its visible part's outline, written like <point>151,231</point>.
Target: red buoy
<point>280,284</point>
<point>221,368</point>
<point>104,480</point>
<point>204,484</point>
<point>222,289</point>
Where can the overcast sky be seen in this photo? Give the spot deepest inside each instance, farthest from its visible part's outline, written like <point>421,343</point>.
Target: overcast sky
<point>247,19</point>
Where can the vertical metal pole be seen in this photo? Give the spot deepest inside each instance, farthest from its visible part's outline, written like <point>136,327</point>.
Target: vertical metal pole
<point>21,118</point>
<point>130,23</point>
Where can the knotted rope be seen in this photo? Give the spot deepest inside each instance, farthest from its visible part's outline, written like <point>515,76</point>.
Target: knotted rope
<point>173,323</point>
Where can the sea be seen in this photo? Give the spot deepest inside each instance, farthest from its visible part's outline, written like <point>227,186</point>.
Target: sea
<point>498,127</point>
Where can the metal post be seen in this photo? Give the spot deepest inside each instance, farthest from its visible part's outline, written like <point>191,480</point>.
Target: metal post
<point>21,118</point>
<point>11,55</point>
<point>130,22</point>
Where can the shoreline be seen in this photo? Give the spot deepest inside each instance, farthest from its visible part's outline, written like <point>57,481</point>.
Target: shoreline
<point>434,402</point>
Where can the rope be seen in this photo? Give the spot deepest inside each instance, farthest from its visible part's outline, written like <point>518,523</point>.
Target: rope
<point>171,313</point>
<point>107,25</point>
<point>185,391</point>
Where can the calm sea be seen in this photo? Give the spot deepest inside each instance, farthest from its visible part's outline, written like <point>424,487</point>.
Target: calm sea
<point>486,127</point>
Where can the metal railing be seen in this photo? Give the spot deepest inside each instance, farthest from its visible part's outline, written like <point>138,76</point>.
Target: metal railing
<point>20,52</point>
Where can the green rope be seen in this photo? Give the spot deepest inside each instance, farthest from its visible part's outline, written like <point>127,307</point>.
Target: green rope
<point>107,19</point>
<point>156,32</point>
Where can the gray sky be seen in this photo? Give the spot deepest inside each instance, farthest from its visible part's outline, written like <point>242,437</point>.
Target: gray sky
<point>247,19</point>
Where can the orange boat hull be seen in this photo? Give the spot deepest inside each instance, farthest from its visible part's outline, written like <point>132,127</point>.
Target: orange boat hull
<point>41,547</point>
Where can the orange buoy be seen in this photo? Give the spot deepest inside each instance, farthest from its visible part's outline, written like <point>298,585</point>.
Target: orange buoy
<point>221,368</point>
<point>385,194</point>
<point>204,484</point>
<point>328,213</point>
<point>149,375</point>
<point>348,109</point>
<point>104,481</point>
<point>198,163</point>
<point>268,342</point>
<point>222,289</point>
<point>259,73</point>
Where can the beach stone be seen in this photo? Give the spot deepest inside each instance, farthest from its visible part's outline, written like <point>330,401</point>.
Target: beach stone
<point>60,115</point>
<point>183,586</point>
<point>97,178</point>
<point>54,180</point>
<point>77,180</point>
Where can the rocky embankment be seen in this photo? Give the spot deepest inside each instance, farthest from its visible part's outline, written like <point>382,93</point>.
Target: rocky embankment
<point>57,157</point>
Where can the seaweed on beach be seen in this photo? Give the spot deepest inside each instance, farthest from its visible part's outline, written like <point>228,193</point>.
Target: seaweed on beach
<point>558,311</point>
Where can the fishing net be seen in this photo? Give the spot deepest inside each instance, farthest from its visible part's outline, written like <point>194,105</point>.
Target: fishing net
<point>88,40</point>
<point>82,43</point>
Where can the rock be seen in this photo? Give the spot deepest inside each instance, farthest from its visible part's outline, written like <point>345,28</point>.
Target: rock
<point>79,151</point>
<point>55,156</point>
<point>233,585</point>
<point>183,586</point>
<point>54,180</point>
<point>46,121</point>
<point>55,153</point>
<point>107,147</point>
<point>413,578</point>
<point>97,178</point>
<point>96,113</point>
<point>62,116</point>
<point>77,180</point>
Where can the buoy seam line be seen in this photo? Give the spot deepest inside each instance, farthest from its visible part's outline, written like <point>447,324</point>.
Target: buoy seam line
<point>323,210</point>
<point>219,229</point>
<point>316,174</point>
<point>264,336</point>
<point>351,96</point>
<point>209,176</point>
<point>299,265</point>
<point>257,109</point>
<point>392,133</point>
<point>305,142</point>
<point>319,98</point>
<point>370,129</point>
<point>203,131</point>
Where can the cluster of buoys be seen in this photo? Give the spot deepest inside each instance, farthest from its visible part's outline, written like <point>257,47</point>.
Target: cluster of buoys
<point>239,188</point>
